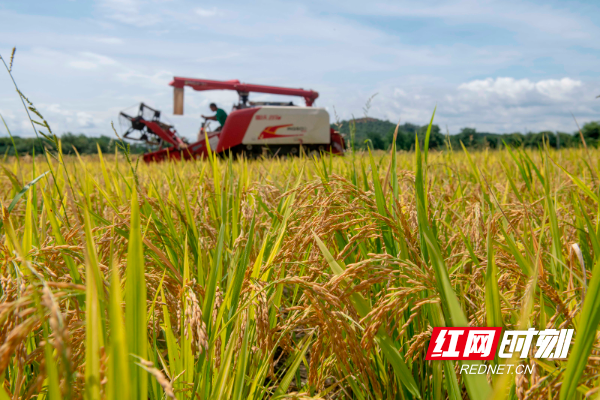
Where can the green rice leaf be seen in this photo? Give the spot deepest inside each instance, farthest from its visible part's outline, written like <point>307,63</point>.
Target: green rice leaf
<point>135,304</point>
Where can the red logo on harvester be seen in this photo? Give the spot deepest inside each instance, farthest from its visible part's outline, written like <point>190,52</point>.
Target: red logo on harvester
<point>463,344</point>
<point>270,132</point>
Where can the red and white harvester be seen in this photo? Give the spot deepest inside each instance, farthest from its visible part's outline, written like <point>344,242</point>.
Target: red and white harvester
<point>252,128</point>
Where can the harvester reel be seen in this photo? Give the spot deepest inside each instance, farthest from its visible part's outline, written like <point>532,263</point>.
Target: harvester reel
<point>138,131</point>
<point>150,129</point>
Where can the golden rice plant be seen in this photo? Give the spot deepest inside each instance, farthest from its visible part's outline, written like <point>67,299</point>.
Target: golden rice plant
<point>293,278</point>
<point>307,278</point>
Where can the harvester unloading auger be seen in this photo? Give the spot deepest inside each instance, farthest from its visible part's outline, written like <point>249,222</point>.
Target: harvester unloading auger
<point>252,128</point>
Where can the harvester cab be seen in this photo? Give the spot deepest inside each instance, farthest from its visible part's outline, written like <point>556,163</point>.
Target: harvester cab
<point>252,129</point>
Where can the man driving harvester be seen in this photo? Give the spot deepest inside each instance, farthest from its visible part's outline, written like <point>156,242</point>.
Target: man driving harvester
<point>220,116</point>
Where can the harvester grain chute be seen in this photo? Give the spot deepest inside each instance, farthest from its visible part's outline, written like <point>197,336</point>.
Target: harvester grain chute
<point>252,128</point>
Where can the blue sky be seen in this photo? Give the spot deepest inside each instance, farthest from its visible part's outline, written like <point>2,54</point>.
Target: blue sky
<point>496,66</point>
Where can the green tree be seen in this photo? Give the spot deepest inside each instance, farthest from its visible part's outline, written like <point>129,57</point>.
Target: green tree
<point>436,139</point>
<point>591,130</point>
<point>376,141</point>
<point>83,144</point>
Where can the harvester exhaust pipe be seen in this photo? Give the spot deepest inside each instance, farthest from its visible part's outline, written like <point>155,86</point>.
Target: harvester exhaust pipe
<point>178,100</point>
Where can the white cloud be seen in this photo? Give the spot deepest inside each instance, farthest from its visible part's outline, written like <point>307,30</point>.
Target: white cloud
<point>82,64</point>
<point>55,109</point>
<point>88,61</point>
<point>99,58</point>
<point>501,105</point>
<point>558,89</point>
<point>139,78</point>
<point>68,119</point>
<point>399,92</point>
<point>206,13</point>
<point>132,12</point>
<point>85,120</point>
<point>519,89</point>
<point>506,104</point>
<point>109,40</point>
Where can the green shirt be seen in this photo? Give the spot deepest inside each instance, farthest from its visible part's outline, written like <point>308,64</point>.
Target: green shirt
<point>221,116</point>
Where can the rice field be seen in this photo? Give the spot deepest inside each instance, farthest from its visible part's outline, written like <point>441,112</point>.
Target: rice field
<point>305,278</point>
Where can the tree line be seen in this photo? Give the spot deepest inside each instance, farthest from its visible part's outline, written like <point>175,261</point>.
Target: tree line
<point>377,134</point>
<point>364,133</point>
<point>69,143</point>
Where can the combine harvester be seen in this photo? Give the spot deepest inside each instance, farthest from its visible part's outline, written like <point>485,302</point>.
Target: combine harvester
<point>252,128</point>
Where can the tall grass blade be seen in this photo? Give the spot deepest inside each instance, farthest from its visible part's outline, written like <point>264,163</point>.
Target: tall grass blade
<point>135,304</point>
<point>118,385</point>
<point>585,336</point>
<point>493,311</point>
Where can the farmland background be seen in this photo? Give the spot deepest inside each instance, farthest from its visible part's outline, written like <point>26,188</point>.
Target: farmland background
<point>303,277</point>
<point>368,133</point>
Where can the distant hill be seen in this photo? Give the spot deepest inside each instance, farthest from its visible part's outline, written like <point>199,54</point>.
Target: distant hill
<point>367,119</point>
<point>378,133</point>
